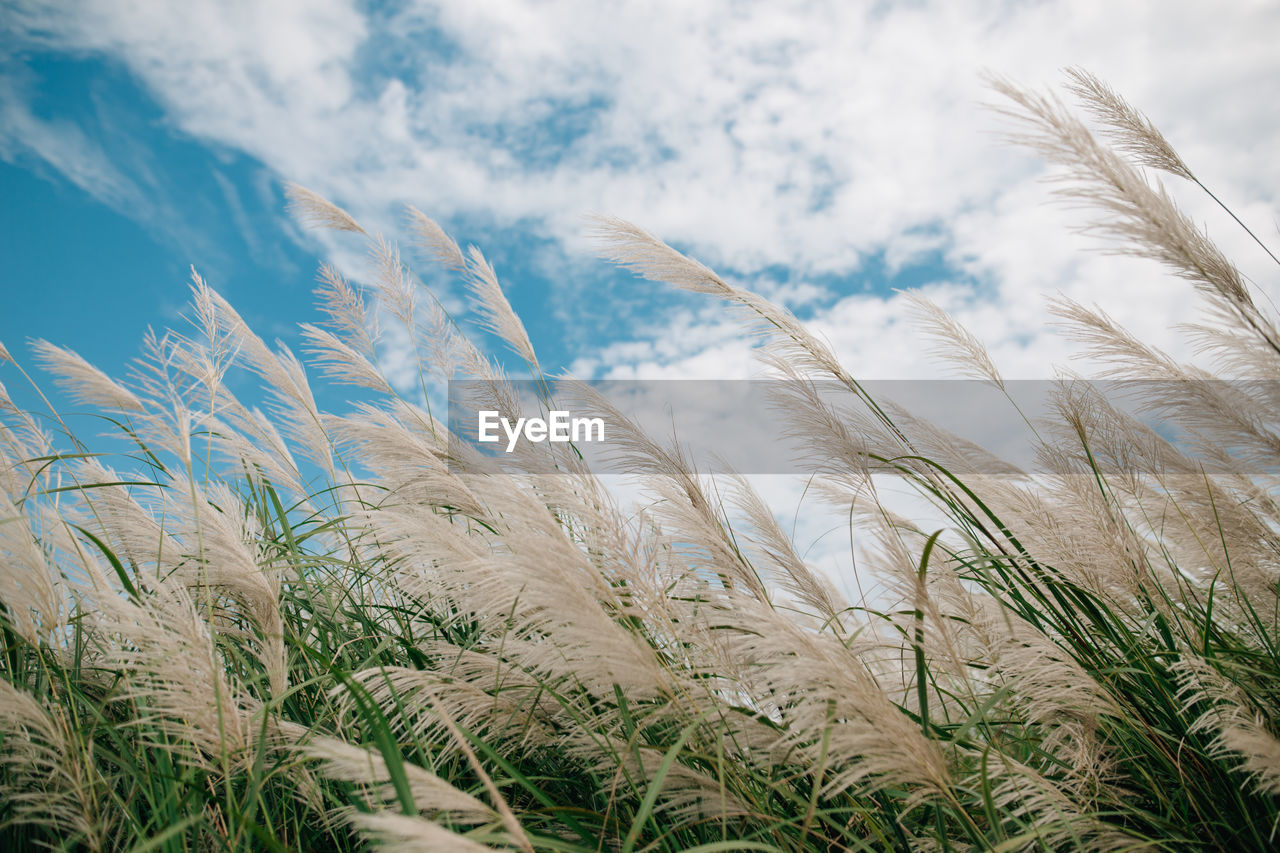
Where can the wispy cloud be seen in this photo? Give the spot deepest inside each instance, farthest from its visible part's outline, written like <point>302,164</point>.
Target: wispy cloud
<point>60,146</point>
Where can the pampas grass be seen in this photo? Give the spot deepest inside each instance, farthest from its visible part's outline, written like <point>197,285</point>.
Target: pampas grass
<point>308,630</point>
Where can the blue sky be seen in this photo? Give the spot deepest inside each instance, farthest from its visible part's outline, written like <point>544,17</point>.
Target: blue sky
<point>822,154</point>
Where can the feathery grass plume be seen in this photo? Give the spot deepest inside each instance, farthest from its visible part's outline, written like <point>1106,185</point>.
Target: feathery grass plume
<point>410,460</point>
<point>430,793</point>
<point>48,778</point>
<point>348,353</point>
<point>1046,817</point>
<point>509,821</point>
<point>1135,135</point>
<point>833,710</point>
<point>482,283</point>
<point>683,504</point>
<point>119,518</point>
<point>443,248</point>
<point>338,361</point>
<point>29,588</point>
<point>1209,404</point>
<point>846,445</point>
<point>286,376</point>
<point>185,698</point>
<point>88,384</point>
<point>496,310</point>
<point>483,689</point>
<point>208,355</point>
<point>253,444</point>
<point>775,547</point>
<point>206,545</point>
<point>942,447</point>
<point>317,211</point>
<point>1239,357</point>
<point>23,443</point>
<point>787,339</point>
<point>348,315</point>
<point>1145,221</point>
<point>532,586</point>
<point>955,343</point>
<point>644,254</point>
<point>396,833</point>
<point>226,561</point>
<point>396,289</point>
<point>1242,731</point>
<point>1127,127</point>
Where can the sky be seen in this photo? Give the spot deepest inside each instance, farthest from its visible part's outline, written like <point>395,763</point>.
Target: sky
<point>821,154</point>
<point>824,154</point>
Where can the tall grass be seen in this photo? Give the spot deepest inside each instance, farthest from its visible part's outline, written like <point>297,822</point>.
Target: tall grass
<point>313,631</point>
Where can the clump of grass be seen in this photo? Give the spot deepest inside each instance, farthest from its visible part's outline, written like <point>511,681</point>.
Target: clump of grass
<point>319,631</point>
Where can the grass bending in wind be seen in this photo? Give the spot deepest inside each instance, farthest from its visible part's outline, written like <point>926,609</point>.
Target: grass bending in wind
<point>300,630</point>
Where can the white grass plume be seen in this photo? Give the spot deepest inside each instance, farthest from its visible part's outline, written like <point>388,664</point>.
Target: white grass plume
<point>49,778</point>
<point>430,793</point>
<point>317,211</point>
<point>955,343</point>
<point>1144,220</point>
<point>1127,127</point>
<point>443,248</point>
<point>498,316</point>
<point>397,833</point>
<point>88,384</point>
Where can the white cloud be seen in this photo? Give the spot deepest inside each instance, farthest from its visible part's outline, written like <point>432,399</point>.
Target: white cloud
<point>62,146</point>
<point>807,134</point>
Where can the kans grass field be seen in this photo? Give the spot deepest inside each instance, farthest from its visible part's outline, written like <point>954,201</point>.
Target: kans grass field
<point>230,627</point>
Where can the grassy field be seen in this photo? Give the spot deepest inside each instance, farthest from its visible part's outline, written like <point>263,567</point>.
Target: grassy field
<point>313,631</point>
